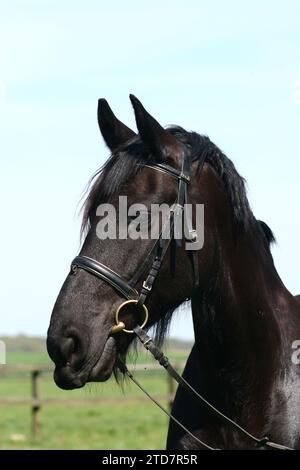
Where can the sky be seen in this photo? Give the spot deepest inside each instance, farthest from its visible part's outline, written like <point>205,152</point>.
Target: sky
<point>230,70</point>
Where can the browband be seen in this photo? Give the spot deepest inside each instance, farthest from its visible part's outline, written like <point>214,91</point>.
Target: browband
<point>164,168</point>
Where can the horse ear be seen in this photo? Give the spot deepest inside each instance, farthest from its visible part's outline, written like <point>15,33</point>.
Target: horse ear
<point>114,132</point>
<point>161,143</point>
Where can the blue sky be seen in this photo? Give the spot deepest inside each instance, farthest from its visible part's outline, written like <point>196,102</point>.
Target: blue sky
<point>227,69</point>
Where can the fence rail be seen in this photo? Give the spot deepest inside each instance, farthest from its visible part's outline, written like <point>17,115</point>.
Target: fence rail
<point>36,401</point>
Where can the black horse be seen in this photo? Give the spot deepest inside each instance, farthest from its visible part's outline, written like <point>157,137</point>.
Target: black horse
<point>245,320</point>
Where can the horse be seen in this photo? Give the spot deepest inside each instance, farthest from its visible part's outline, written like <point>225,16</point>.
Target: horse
<point>244,318</point>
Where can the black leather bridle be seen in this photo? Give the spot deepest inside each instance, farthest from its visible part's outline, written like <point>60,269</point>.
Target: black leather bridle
<point>139,299</point>
<point>127,289</point>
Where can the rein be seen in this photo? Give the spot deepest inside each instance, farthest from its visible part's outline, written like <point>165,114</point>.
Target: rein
<point>139,299</point>
<point>148,343</point>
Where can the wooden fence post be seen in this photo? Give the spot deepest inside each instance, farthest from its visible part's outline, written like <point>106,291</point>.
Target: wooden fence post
<point>36,405</point>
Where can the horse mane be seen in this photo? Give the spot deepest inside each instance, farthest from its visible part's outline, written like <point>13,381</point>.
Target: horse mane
<point>268,233</point>
<point>127,161</point>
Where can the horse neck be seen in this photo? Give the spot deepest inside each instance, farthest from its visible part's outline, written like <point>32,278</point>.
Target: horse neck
<point>238,314</point>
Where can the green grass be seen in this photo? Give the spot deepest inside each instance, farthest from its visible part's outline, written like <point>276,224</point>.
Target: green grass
<point>17,357</point>
<point>123,423</point>
<point>119,426</point>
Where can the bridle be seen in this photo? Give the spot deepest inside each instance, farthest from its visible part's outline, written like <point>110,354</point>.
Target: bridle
<point>133,297</point>
<point>127,289</point>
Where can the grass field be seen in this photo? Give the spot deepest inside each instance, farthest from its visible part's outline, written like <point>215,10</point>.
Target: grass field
<point>125,422</point>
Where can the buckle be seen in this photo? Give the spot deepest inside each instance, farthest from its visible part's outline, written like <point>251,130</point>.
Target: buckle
<point>184,177</point>
<point>193,236</point>
<point>177,209</point>
<point>145,286</point>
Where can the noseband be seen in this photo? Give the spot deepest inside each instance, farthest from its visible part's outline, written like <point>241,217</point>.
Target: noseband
<point>161,246</point>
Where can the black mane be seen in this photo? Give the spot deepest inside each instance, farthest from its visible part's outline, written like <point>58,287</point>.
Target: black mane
<point>268,233</point>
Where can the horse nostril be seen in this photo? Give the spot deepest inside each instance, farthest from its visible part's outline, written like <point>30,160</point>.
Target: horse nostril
<point>66,350</point>
<point>73,350</point>
<point>68,347</point>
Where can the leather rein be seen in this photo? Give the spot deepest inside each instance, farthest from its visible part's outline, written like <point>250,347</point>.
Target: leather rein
<point>127,290</point>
